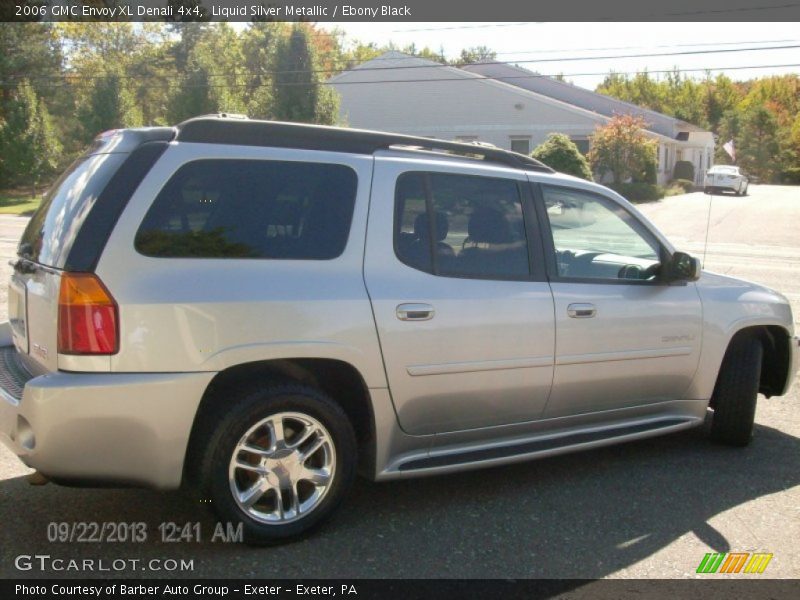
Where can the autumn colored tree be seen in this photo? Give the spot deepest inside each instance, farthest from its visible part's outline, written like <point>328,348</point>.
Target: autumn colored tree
<point>621,148</point>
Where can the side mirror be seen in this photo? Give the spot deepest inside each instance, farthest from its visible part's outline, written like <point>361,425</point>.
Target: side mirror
<point>683,267</point>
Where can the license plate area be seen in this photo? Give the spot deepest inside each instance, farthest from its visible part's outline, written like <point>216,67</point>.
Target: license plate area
<point>18,313</point>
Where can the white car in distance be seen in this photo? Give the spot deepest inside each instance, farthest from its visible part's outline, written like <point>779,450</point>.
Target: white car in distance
<point>726,177</point>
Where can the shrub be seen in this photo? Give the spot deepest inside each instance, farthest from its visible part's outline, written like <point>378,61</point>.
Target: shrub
<point>560,153</point>
<point>686,185</point>
<point>683,170</point>
<point>674,190</point>
<point>791,176</point>
<point>638,192</point>
<point>649,172</point>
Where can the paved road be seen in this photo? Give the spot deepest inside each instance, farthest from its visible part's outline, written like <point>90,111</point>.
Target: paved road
<point>645,509</point>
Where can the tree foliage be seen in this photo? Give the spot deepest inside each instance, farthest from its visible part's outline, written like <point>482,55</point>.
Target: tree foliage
<point>622,148</point>
<point>110,105</point>
<point>298,93</point>
<point>29,146</point>
<point>560,153</point>
<point>758,115</point>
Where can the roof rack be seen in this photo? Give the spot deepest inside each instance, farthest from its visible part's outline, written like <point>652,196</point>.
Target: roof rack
<point>221,129</point>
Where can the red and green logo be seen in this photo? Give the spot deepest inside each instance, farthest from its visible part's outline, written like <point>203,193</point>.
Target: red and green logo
<point>734,562</point>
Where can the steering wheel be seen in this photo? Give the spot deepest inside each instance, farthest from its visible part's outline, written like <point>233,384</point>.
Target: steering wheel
<point>637,272</point>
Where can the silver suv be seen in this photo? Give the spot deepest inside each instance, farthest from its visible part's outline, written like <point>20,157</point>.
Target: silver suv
<point>257,310</point>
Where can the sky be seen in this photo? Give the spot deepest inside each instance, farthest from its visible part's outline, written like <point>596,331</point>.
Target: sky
<point>525,43</point>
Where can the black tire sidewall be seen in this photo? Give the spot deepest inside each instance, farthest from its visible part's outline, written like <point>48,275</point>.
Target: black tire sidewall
<point>258,405</point>
<point>736,393</point>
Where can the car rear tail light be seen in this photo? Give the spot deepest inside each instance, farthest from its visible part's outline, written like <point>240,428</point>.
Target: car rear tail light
<point>87,316</point>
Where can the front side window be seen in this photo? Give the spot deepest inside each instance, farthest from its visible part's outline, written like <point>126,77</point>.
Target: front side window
<point>461,226</point>
<point>596,239</point>
<point>251,209</point>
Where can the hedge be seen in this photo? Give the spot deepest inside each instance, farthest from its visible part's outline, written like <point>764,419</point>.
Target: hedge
<point>638,192</point>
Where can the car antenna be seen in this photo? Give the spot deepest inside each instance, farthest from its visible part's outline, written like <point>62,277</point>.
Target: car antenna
<point>708,225</point>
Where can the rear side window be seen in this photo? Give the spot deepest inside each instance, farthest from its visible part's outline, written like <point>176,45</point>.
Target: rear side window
<point>49,236</point>
<point>251,209</point>
<point>461,226</point>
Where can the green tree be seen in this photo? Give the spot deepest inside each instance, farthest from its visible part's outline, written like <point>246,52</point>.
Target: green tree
<point>259,43</point>
<point>29,51</point>
<point>621,148</point>
<point>110,105</point>
<point>28,143</point>
<point>298,93</point>
<point>213,80</point>
<point>476,54</point>
<point>560,153</point>
<point>758,143</point>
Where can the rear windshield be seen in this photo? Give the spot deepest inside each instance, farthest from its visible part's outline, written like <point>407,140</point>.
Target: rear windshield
<point>52,229</point>
<point>251,209</point>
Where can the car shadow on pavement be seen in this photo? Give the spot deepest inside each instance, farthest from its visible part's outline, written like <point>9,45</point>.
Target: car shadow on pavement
<point>583,515</point>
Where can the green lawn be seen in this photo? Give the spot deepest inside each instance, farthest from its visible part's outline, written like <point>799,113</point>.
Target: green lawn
<point>18,202</point>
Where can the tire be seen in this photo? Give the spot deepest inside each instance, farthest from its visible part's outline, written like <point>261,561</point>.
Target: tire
<point>735,393</point>
<point>744,191</point>
<point>276,472</point>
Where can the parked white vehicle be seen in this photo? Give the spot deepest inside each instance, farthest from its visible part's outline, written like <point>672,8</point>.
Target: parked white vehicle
<point>253,310</point>
<point>726,177</point>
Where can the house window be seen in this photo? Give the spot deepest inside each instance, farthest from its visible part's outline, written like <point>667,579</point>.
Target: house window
<point>521,145</point>
<point>583,146</point>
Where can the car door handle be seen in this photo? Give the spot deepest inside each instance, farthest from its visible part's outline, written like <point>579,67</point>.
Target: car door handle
<point>581,311</point>
<point>415,312</point>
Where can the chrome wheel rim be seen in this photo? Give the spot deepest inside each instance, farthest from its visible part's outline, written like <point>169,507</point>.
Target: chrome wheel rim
<point>282,468</point>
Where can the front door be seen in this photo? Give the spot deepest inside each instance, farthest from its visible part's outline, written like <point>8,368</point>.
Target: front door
<point>623,337</point>
<point>463,310</point>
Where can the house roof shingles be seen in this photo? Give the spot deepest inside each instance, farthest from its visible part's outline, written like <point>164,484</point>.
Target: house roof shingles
<point>578,96</point>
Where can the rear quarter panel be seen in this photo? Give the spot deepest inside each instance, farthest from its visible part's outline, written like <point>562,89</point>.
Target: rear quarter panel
<point>197,314</point>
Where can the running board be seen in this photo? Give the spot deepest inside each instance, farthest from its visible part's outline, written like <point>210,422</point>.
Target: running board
<point>550,445</point>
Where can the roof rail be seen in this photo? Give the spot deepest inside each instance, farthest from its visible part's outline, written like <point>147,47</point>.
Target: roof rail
<point>220,129</point>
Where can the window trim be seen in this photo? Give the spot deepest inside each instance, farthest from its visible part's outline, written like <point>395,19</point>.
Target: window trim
<point>536,255</point>
<point>551,261</point>
<point>186,163</point>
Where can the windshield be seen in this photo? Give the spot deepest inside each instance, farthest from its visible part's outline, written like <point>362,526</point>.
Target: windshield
<point>49,236</point>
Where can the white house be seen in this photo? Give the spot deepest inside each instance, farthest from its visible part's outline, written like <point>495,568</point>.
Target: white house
<point>502,104</point>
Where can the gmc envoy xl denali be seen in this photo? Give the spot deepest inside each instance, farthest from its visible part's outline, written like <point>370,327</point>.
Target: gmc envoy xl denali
<point>255,311</point>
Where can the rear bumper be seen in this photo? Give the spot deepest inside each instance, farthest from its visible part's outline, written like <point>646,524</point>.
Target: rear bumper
<point>104,428</point>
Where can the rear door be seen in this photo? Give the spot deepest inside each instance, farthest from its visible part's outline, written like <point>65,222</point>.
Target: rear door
<point>455,274</point>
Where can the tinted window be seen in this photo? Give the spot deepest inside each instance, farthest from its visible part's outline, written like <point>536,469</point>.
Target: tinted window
<point>251,209</point>
<point>460,225</point>
<point>595,238</point>
<point>51,231</point>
